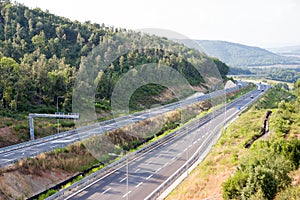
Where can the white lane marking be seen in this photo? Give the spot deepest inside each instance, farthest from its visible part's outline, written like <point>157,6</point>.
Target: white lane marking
<point>110,174</point>
<point>185,149</point>
<point>166,143</point>
<point>138,185</point>
<point>8,154</point>
<point>140,158</point>
<point>163,154</point>
<point>101,178</point>
<point>173,158</point>
<point>166,164</point>
<point>149,177</point>
<point>106,190</point>
<point>122,180</point>
<point>137,170</point>
<point>158,170</point>
<point>126,194</point>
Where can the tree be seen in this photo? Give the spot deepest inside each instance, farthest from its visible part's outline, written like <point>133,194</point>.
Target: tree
<point>297,89</point>
<point>260,180</point>
<point>39,41</point>
<point>9,75</point>
<point>232,187</point>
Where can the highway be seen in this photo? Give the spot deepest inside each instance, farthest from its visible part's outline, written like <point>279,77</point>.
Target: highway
<point>11,154</point>
<point>142,176</point>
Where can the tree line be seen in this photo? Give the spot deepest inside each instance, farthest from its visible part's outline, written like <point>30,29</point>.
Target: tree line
<point>41,54</point>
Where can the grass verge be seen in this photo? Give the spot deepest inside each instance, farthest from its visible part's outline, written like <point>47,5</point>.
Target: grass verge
<point>205,182</point>
<point>75,158</point>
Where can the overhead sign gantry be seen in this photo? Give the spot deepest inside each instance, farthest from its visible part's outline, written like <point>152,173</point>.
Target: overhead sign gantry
<point>57,115</point>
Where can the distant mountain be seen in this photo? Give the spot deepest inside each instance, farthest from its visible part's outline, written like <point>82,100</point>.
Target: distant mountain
<point>41,55</point>
<point>287,51</point>
<point>237,55</point>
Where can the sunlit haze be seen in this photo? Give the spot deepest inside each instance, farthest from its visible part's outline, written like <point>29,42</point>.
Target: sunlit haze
<point>268,23</point>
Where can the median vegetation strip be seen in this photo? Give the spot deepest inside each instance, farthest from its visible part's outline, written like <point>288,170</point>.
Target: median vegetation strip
<point>76,158</point>
<point>15,130</point>
<point>231,171</point>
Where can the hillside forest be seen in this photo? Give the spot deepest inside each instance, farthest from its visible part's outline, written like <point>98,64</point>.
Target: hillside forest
<point>41,54</point>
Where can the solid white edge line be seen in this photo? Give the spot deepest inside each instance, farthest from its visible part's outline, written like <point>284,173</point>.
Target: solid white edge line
<point>77,192</point>
<point>184,175</point>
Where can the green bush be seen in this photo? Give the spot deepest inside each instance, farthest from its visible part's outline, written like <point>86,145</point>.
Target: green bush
<point>289,149</point>
<point>233,186</point>
<point>9,123</point>
<point>46,110</point>
<point>264,171</point>
<point>23,137</point>
<point>21,126</point>
<point>49,193</point>
<point>67,124</point>
<point>291,193</point>
<point>104,105</point>
<point>261,180</point>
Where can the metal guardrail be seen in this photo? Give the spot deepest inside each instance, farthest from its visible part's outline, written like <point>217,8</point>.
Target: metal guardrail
<point>92,127</point>
<point>112,121</point>
<point>108,122</point>
<point>91,178</point>
<point>87,180</point>
<point>198,155</point>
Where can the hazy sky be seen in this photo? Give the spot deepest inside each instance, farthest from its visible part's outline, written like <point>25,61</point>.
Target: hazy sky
<point>264,23</point>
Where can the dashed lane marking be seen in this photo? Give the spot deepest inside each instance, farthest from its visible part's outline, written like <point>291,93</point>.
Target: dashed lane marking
<point>106,190</point>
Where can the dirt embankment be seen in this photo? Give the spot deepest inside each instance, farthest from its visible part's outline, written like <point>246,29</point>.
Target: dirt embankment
<point>16,185</point>
<point>6,137</point>
<point>32,176</point>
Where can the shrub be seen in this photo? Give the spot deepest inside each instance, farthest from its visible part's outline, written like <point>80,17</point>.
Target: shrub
<point>21,126</point>
<point>233,186</point>
<point>261,180</point>
<point>49,193</point>
<point>9,123</point>
<point>67,124</point>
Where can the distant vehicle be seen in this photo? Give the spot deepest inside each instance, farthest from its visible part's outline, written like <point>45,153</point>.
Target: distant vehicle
<point>251,96</point>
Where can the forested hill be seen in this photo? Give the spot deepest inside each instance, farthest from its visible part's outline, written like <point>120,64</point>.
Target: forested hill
<point>235,54</point>
<point>40,55</point>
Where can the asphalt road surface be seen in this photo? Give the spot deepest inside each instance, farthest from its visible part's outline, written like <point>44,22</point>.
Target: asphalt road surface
<point>138,177</point>
<point>13,154</point>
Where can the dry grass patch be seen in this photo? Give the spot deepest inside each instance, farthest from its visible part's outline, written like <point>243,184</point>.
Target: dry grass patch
<point>206,180</point>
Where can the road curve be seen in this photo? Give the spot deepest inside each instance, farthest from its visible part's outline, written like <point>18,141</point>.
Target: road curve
<point>10,155</point>
<point>137,177</point>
